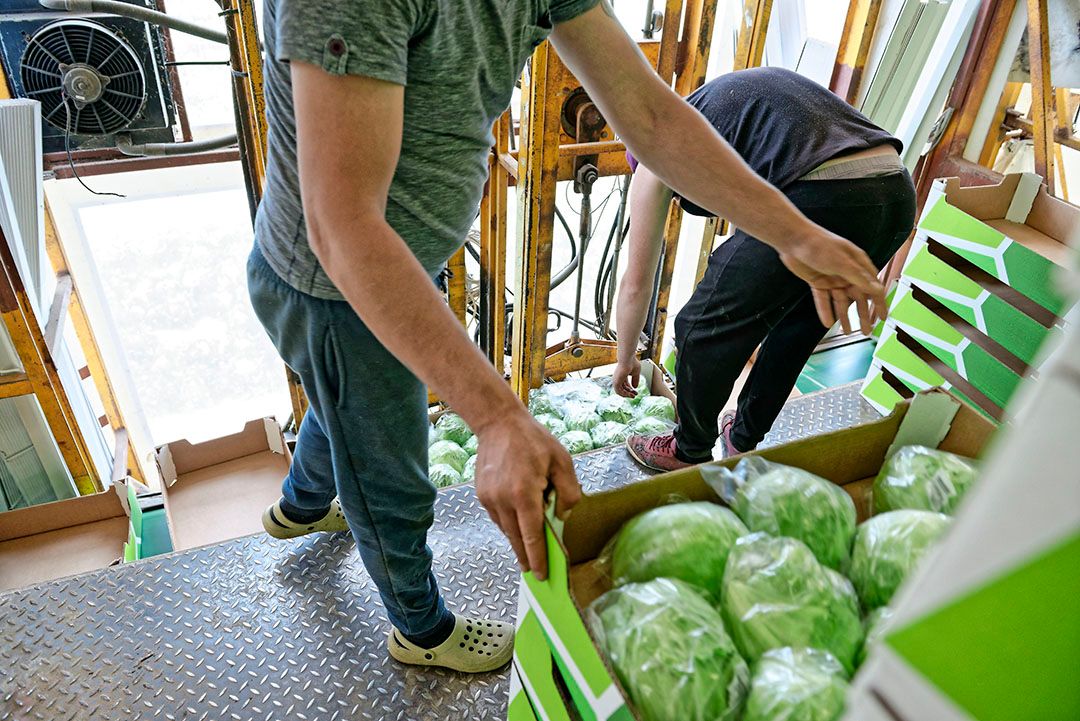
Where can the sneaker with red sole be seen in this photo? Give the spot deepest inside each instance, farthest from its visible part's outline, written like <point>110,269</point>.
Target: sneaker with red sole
<point>657,452</point>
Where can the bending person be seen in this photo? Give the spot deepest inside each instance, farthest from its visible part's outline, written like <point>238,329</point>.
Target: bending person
<point>844,173</point>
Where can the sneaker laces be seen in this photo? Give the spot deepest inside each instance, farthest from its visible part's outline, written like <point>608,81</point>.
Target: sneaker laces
<point>662,444</point>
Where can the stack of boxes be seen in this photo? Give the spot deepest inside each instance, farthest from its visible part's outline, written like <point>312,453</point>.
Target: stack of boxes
<point>976,298</point>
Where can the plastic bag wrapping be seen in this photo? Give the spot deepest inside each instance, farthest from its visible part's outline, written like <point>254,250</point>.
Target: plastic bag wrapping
<point>776,594</point>
<point>449,453</point>
<point>576,442</point>
<point>581,417</point>
<point>923,479</point>
<point>669,649</point>
<point>656,407</point>
<point>472,446</point>
<point>686,541</point>
<point>452,427</point>
<point>574,393</point>
<point>876,624</point>
<point>432,435</point>
<point>609,433</point>
<point>615,408</point>
<point>650,426</point>
<point>556,425</point>
<point>887,547</point>
<point>796,684</point>
<point>641,391</point>
<point>468,473</point>
<point>787,501</point>
<point>443,475</point>
<point>540,403</point>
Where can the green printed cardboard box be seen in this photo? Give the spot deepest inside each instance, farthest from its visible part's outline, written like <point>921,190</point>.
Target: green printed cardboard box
<point>978,293</point>
<point>988,628</point>
<point>560,674</point>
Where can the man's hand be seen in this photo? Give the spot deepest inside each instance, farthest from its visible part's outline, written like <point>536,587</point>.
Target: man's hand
<point>518,460</point>
<point>839,273</point>
<point>626,377</point>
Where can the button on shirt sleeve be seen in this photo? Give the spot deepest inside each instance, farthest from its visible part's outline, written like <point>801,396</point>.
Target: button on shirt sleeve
<point>366,37</point>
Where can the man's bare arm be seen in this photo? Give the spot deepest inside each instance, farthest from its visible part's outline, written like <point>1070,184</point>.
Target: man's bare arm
<point>678,145</point>
<point>649,203</point>
<point>344,186</point>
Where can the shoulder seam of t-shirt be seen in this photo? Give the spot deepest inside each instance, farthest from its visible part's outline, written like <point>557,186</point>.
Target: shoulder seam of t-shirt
<point>562,12</point>
<point>354,65</point>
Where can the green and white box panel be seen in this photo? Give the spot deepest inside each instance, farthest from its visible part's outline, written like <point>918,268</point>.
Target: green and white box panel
<point>999,240</point>
<point>983,370</point>
<point>559,664</point>
<point>988,628</point>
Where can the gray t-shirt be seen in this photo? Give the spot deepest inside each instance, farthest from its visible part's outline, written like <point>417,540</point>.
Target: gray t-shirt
<point>458,61</point>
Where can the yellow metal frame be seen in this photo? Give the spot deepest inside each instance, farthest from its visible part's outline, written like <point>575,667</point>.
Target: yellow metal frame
<point>547,155</point>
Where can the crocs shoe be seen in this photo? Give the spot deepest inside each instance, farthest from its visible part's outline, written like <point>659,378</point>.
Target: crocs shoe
<point>656,452</point>
<point>474,646</point>
<point>279,526</point>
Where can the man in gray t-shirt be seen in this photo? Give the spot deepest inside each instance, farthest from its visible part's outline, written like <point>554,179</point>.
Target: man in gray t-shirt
<point>379,115</point>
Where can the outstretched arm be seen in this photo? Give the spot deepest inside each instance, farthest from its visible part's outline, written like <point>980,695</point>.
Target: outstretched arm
<point>682,149</point>
<point>649,202</point>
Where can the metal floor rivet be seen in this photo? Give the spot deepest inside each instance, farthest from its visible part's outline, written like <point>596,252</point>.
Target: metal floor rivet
<point>261,630</point>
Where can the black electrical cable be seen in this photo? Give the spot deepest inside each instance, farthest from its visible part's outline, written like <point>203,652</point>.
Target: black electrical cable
<point>560,277</point>
<point>67,149</point>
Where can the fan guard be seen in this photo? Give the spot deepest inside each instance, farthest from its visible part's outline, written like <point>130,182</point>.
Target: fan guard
<point>90,65</point>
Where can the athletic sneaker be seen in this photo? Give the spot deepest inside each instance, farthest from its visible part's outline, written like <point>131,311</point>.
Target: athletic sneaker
<point>475,646</point>
<point>727,422</point>
<point>278,525</point>
<point>656,452</point>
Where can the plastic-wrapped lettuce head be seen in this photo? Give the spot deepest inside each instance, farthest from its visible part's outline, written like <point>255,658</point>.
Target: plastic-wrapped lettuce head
<point>468,473</point>
<point>576,441</point>
<point>472,445</point>
<point>553,423</point>
<point>657,407</point>
<point>615,408</point>
<point>452,427</point>
<point>541,403</point>
<point>669,649</point>
<point>443,475</point>
<point>786,501</point>
<point>432,435</point>
<point>609,433</point>
<point>650,426</point>
<point>922,479</point>
<point>887,548</point>
<point>581,417</point>
<point>640,392</point>
<point>776,594</point>
<point>796,684</point>
<point>687,541</point>
<point>875,625</point>
<point>449,453</point>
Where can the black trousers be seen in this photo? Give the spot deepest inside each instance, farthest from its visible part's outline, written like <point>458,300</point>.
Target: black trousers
<point>748,298</point>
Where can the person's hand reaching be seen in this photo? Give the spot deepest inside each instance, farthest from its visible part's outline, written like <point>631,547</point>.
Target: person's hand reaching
<point>518,460</point>
<point>839,273</point>
<point>626,377</point>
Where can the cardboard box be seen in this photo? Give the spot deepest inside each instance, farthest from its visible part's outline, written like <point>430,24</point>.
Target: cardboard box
<point>217,490</point>
<point>558,662</point>
<point>1015,231</point>
<point>978,295</point>
<point>988,628</point>
<point>64,538</point>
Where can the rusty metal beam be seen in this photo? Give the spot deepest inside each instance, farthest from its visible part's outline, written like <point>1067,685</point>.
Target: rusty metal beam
<point>1042,94</point>
<point>15,384</point>
<point>750,46</point>
<point>855,42</point>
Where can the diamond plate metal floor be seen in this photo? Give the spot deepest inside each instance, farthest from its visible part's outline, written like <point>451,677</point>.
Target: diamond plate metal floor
<point>255,630</point>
